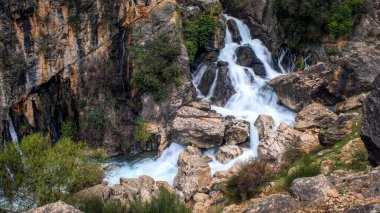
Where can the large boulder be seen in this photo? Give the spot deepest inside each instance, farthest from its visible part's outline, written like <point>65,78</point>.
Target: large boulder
<point>203,129</point>
<point>237,132</point>
<point>227,153</point>
<point>275,203</point>
<point>233,28</point>
<point>246,57</point>
<point>339,129</point>
<point>312,190</point>
<point>315,115</point>
<point>264,125</point>
<point>273,145</point>
<point>352,103</point>
<point>58,207</point>
<point>299,89</point>
<point>370,132</point>
<point>102,191</point>
<point>194,173</point>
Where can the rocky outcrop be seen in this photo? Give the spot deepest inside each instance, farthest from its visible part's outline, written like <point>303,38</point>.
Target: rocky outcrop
<point>275,203</point>
<point>194,173</point>
<point>338,129</point>
<point>264,125</point>
<point>315,116</point>
<point>370,131</point>
<point>237,132</point>
<point>227,153</point>
<point>312,190</point>
<point>273,145</point>
<point>204,129</point>
<point>246,57</point>
<point>233,28</point>
<point>352,103</point>
<point>58,207</point>
<point>299,89</point>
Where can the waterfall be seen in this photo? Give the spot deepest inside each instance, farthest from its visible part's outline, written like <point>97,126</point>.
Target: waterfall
<point>252,98</point>
<point>12,131</point>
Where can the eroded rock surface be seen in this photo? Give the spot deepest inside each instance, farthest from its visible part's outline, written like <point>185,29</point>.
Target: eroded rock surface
<point>227,153</point>
<point>237,132</point>
<point>58,207</point>
<point>315,116</point>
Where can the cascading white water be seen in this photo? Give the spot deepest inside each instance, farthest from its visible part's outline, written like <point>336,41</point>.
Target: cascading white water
<point>12,131</point>
<point>253,97</point>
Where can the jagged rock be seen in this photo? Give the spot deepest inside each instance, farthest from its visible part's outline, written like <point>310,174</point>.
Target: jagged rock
<point>264,125</point>
<point>338,130</point>
<point>204,129</point>
<point>299,89</point>
<point>312,190</point>
<point>207,203</point>
<point>233,28</point>
<point>202,105</point>
<point>366,184</point>
<point>102,191</point>
<point>357,71</point>
<point>352,103</point>
<point>224,89</point>
<point>370,132</point>
<point>275,203</point>
<point>367,208</point>
<point>227,153</point>
<point>247,57</point>
<point>237,132</point>
<point>58,207</point>
<point>315,116</point>
<point>194,173</point>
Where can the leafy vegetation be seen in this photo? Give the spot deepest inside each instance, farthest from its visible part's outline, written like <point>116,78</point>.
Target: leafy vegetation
<point>156,66</point>
<point>163,203</point>
<point>198,32</point>
<point>42,172</point>
<point>67,130</point>
<point>248,181</point>
<point>306,168</point>
<point>142,133</point>
<point>306,22</point>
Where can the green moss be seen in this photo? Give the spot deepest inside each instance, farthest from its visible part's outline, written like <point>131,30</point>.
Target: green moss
<point>142,133</point>
<point>197,32</point>
<point>156,66</point>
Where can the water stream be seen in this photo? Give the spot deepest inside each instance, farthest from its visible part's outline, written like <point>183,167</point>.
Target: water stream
<point>253,97</point>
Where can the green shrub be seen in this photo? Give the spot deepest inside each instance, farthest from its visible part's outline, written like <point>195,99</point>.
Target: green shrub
<point>67,130</point>
<point>306,168</point>
<point>156,66</point>
<point>97,205</point>
<point>141,133</point>
<point>45,172</point>
<point>248,181</point>
<point>197,33</point>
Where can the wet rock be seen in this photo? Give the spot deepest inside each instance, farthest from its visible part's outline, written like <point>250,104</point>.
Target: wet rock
<point>352,103</point>
<point>299,89</point>
<point>233,28</point>
<point>194,173</point>
<point>315,116</point>
<point>264,125</point>
<point>204,129</point>
<point>58,207</point>
<point>370,132</point>
<point>275,203</point>
<point>367,208</point>
<point>228,153</point>
<point>247,57</point>
<point>312,190</point>
<point>237,132</point>
<point>338,130</point>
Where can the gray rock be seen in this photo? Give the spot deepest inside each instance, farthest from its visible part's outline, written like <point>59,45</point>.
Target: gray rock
<point>370,132</point>
<point>227,153</point>
<point>237,132</point>
<point>233,28</point>
<point>315,116</point>
<point>299,89</point>
<point>352,103</point>
<point>276,203</point>
<point>264,125</point>
<point>312,190</point>
<point>368,208</point>
<point>338,130</point>
<point>58,207</point>
<point>247,57</point>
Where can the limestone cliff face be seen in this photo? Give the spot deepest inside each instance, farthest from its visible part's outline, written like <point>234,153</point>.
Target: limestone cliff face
<point>69,61</point>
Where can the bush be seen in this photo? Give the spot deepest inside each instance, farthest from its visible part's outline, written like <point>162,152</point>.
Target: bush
<point>164,203</point>
<point>306,168</point>
<point>67,130</point>
<point>197,33</point>
<point>248,181</point>
<point>156,66</point>
<point>44,172</point>
<point>141,133</point>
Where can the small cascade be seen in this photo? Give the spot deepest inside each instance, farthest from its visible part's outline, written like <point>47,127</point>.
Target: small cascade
<point>253,97</point>
<point>12,131</point>
<point>285,54</point>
